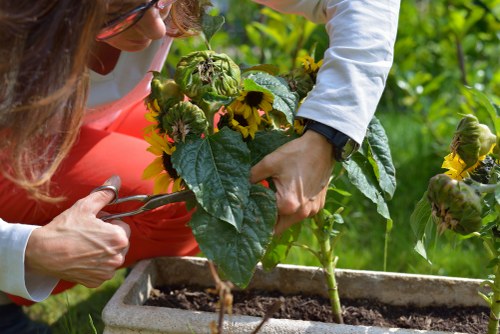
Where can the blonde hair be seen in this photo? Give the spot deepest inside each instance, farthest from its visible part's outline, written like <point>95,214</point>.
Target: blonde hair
<point>44,47</point>
<point>44,52</point>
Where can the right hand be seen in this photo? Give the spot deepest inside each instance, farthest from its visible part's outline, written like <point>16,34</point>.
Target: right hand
<point>77,246</point>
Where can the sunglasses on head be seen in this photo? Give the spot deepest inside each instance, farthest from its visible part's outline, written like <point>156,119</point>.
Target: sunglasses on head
<point>125,21</point>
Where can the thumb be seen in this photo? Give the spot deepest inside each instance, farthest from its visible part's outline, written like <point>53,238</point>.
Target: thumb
<point>102,196</point>
<point>261,171</point>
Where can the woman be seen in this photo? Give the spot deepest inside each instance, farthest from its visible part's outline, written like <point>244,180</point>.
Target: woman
<point>50,162</point>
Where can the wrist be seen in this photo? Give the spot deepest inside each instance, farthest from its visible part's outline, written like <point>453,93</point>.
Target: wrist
<point>34,250</point>
<point>342,145</point>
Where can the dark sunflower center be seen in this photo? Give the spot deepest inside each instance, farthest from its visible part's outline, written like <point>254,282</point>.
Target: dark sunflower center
<point>254,99</point>
<point>240,119</point>
<point>167,164</point>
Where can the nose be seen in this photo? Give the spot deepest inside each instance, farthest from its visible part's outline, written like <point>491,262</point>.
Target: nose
<point>152,25</point>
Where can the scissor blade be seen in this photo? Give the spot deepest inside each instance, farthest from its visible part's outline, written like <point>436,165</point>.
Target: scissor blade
<point>160,200</point>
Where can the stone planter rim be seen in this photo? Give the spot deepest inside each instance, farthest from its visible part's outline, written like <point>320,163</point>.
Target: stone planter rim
<point>123,314</point>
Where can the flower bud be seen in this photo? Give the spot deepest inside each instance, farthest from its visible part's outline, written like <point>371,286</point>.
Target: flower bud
<point>207,72</point>
<point>182,119</point>
<point>455,205</point>
<point>472,140</point>
<point>165,91</point>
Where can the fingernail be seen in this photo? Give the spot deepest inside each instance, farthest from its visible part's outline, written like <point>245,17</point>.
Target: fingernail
<point>114,180</point>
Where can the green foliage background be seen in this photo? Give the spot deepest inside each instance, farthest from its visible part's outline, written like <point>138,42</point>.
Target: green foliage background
<point>441,46</point>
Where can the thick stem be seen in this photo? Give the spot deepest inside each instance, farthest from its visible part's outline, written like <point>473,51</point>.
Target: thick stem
<point>328,261</point>
<point>495,304</point>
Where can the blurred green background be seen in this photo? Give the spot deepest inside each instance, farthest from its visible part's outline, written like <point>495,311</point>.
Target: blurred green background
<point>442,47</point>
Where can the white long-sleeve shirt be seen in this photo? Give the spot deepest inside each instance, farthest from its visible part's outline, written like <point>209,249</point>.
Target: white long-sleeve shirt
<point>349,86</point>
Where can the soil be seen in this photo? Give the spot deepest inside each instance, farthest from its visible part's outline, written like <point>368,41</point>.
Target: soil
<point>315,308</point>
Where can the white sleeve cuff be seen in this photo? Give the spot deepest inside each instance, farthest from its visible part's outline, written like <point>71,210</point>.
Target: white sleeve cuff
<point>15,279</point>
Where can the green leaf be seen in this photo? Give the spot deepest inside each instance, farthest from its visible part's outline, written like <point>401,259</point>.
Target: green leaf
<point>380,152</point>
<point>217,169</point>
<point>279,247</point>
<point>236,253</point>
<point>268,68</point>
<point>266,142</point>
<point>361,175</point>
<point>284,99</point>
<point>211,24</point>
<point>420,217</point>
<point>422,225</point>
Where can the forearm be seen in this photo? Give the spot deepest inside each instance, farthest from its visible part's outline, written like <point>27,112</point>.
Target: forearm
<point>15,277</point>
<point>356,64</point>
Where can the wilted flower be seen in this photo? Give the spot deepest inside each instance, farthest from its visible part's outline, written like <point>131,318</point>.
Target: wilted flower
<point>182,119</point>
<point>472,140</point>
<point>455,204</point>
<point>207,72</point>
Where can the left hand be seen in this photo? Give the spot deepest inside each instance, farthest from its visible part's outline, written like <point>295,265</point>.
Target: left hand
<point>301,171</point>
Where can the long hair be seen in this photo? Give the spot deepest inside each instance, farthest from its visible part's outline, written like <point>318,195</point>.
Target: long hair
<point>44,49</point>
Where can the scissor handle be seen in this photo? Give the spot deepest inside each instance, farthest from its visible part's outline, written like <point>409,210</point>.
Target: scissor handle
<point>107,187</point>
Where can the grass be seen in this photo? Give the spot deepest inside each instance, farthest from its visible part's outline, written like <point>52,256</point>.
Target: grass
<point>361,245</point>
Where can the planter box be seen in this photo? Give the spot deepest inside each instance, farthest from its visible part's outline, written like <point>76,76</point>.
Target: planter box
<point>125,314</point>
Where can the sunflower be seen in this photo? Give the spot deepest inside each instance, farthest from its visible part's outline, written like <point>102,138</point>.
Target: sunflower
<point>245,126</point>
<point>152,116</point>
<point>457,168</point>
<point>250,103</point>
<point>309,65</point>
<point>161,169</point>
<point>298,126</point>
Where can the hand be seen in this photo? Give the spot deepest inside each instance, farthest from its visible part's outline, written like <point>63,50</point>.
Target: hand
<point>301,171</point>
<point>77,246</point>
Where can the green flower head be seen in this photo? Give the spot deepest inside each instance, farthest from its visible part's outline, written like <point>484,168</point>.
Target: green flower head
<point>472,140</point>
<point>455,205</point>
<point>206,72</point>
<point>182,119</point>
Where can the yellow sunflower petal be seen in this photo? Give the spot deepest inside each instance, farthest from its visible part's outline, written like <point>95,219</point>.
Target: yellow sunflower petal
<point>162,182</point>
<point>153,169</point>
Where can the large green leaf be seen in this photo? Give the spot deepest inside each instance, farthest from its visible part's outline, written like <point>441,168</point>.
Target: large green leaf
<point>360,173</point>
<point>284,99</point>
<point>380,157</point>
<point>217,169</point>
<point>280,246</point>
<point>236,253</point>
<point>266,142</point>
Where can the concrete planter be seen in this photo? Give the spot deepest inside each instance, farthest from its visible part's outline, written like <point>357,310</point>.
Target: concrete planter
<point>125,314</point>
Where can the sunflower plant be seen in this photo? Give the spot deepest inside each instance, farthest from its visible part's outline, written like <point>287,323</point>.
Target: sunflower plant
<point>212,122</point>
<point>465,199</point>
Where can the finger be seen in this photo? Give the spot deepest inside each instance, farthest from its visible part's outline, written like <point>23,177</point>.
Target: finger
<point>99,199</point>
<point>261,171</point>
<point>284,222</point>
<point>122,225</point>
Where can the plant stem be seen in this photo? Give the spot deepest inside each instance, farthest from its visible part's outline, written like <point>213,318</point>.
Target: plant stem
<point>495,304</point>
<point>328,261</point>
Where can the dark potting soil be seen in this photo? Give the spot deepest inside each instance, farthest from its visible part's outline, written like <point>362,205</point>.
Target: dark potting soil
<point>355,312</point>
